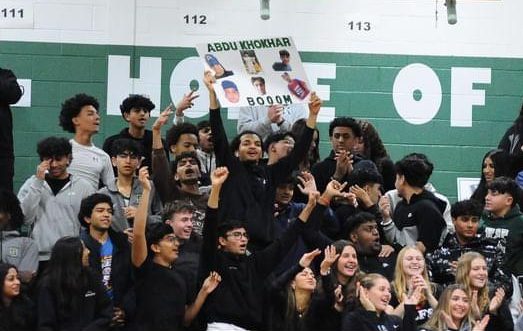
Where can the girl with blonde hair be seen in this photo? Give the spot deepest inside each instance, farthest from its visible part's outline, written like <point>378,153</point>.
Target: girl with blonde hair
<point>472,274</point>
<point>454,312</point>
<point>411,273</point>
<point>371,313</point>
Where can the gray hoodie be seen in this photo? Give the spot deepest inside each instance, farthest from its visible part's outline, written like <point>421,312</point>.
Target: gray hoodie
<point>52,217</point>
<point>21,252</point>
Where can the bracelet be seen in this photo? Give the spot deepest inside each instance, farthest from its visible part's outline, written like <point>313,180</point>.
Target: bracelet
<point>324,201</point>
<point>386,222</point>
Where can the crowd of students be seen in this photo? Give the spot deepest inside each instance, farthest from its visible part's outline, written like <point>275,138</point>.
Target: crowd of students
<point>255,234</point>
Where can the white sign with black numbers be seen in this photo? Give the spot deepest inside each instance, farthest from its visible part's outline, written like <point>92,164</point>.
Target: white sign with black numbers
<point>16,15</point>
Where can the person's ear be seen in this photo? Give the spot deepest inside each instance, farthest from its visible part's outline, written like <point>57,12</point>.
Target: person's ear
<point>113,161</point>
<point>293,285</point>
<point>87,220</point>
<point>222,241</point>
<point>353,237</point>
<point>155,248</point>
<point>510,200</point>
<point>172,148</point>
<point>75,120</point>
<point>236,153</point>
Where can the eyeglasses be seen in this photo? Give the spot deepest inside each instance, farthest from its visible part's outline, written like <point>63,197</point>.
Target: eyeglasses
<point>170,238</point>
<point>128,155</point>
<point>238,235</point>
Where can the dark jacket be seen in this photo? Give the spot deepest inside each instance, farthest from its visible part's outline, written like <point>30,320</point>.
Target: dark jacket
<point>239,298</point>
<point>121,268</point>
<point>439,261</point>
<point>376,264</point>
<point>509,231</point>
<point>248,194</point>
<point>324,170</point>
<point>94,312</point>
<point>363,320</point>
<point>420,219</point>
<point>20,315</point>
<point>7,156</point>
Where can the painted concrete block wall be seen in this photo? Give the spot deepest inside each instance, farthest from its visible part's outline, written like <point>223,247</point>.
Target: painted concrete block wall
<point>68,51</point>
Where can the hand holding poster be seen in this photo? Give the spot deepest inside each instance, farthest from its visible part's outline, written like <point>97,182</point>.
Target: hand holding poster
<point>256,72</point>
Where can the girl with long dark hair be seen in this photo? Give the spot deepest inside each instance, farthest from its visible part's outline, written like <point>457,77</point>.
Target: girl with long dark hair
<point>16,309</point>
<point>71,297</point>
<point>495,164</point>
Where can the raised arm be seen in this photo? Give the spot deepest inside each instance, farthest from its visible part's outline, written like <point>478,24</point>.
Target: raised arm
<point>207,255</point>
<point>185,103</point>
<point>31,192</point>
<point>164,184</point>
<point>224,156</point>
<point>139,246</point>
<point>283,168</point>
<point>209,285</point>
<point>268,258</point>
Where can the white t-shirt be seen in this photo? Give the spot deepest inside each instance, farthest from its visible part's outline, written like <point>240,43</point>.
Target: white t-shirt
<point>91,163</point>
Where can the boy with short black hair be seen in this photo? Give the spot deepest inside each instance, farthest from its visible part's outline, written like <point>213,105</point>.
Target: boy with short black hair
<point>126,191</point>
<point>503,220</point>
<point>238,302</point>
<point>164,306</point>
<point>206,150</point>
<point>443,261</point>
<point>109,255</point>
<point>418,218</point>
<point>79,115</point>
<point>136,111</point>
<point>51,198</point>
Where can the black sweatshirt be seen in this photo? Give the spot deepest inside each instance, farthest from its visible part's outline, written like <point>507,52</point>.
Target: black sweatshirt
<point>239,298</point>
<point>363,320</point>
<point>249,192</point>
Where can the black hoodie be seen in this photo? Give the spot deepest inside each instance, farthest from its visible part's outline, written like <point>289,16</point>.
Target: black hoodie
<point>420,219</point>
<point>363,320</point>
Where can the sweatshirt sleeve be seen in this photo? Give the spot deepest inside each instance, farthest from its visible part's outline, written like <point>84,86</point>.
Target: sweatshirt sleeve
<point>163,183</point>
<point>268,258</point>
<point>224,156</point>
<point>248,119</point>
<point>107,175</point>
<point>281,281</point>
<point>29,196</point>
<point>311,233</point>
<point>210,237</point>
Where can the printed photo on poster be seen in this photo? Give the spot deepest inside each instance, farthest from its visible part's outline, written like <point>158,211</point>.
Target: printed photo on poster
<point>256,72</point>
